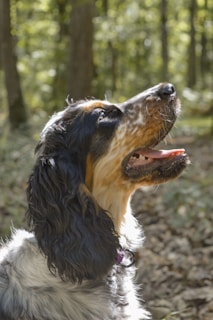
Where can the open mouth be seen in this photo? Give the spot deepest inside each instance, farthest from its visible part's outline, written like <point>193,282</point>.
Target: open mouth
<point>157,163</point>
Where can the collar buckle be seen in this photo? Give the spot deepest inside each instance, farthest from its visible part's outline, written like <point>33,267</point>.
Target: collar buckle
<point>125,258</point>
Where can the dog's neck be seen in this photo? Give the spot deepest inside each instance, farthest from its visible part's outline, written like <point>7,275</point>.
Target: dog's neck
<point>115,202</point>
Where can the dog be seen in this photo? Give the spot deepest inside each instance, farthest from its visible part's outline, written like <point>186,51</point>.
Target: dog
<point>78,262</point>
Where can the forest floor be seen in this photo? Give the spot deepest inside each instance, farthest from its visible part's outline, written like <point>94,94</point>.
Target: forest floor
<point>175,266</point>
<point>176,262</point>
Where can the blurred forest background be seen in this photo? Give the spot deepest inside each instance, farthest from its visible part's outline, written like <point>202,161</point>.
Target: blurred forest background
<point>54,49</point>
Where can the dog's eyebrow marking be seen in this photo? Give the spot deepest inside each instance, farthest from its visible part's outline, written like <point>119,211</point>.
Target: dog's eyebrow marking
<point>90,105</point>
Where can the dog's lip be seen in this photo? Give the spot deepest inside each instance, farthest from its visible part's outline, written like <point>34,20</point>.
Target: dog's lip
<point>146,156</point>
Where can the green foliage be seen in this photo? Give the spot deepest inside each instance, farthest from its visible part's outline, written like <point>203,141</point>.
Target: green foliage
<point>124,40</point>
<point>127,49</point>
<point>42,54</point>
<point>130,34</point>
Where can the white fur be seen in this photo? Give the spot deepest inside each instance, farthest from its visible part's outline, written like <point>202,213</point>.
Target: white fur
<point>25,281</point>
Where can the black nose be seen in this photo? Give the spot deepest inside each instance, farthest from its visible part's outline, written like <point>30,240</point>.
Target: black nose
<point>167,89</point>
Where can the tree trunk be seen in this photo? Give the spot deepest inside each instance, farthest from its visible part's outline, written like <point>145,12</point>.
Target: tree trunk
<point>192,46</point>
<point>17,110</point>
<point>105,6</point>
<point>164,40</point>
<point>80,70</point>
<point>204,65</point>
<point>114,66</point>
<point>60,54</point>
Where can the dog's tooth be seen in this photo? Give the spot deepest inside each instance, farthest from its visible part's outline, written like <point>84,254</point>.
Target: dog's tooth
<point>142,157</point>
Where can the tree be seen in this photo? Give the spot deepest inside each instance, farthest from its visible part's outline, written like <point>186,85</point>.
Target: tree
<point>191,80</point>
<point>204,64</point>
<point>80,66</point>
<point>17,110</point>
<point>61,9</point>
<point>164,39</point>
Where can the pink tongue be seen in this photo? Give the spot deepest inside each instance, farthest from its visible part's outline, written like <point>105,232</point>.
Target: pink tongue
<point>158,154</point>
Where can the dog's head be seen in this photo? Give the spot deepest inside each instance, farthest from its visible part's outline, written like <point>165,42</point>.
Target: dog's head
<point>91,157</point>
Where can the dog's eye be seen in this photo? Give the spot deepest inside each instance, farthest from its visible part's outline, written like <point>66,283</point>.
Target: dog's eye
<point>108,114</point>
<point>102,115</point>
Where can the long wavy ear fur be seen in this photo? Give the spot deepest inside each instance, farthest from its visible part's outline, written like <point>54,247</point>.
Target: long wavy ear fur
<point>73,231</point>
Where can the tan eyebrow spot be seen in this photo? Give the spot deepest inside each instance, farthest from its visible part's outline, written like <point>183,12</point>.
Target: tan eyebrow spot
<point>90,105</point>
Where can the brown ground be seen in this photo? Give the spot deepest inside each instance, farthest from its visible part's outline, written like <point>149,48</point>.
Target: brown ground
<point>176,263</point>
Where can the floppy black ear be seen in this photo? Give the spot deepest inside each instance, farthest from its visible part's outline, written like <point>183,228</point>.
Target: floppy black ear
<point>74,232</point>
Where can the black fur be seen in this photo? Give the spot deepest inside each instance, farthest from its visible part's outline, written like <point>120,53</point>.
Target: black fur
<point>72,230</point>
